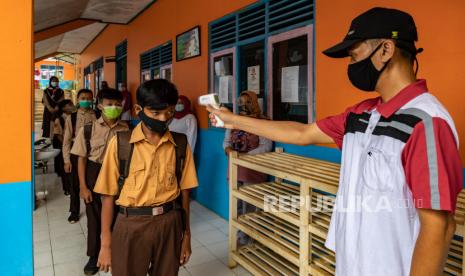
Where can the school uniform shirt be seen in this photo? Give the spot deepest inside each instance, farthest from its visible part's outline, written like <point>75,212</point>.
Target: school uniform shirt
<point>57,128</point>
<point>101,135</point>
<point>152,174</point>
<point>188,126</point>
<point>397,156</point>
<point>84,116</point>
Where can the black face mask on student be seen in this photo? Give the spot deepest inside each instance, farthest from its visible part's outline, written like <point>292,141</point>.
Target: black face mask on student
<point>363,74</point>
<point>154,125</point>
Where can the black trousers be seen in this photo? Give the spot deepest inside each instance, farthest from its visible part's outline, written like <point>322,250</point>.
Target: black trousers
<point>93,210</point>
<point>58,165</point>
<point>75,202</point>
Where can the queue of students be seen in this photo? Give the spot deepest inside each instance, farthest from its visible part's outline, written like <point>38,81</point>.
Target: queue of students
<point>137,204</point>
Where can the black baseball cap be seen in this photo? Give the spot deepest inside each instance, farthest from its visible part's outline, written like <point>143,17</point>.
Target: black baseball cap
<point>379,23</point>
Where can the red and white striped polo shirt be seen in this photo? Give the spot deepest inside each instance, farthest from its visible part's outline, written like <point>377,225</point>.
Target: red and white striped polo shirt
<point>396,156</point>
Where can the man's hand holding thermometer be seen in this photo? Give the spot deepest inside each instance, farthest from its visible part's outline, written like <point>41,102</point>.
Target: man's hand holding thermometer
<point>220,117</point>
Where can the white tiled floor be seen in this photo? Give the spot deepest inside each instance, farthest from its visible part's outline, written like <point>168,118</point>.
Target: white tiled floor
<point>60,247</point>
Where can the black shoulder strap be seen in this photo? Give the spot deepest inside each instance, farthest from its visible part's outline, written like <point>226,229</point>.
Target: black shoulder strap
<point>62,122</point>
<point>125,150</point>
<point>181,147</point>
<point>88,136</point>
<point>73,122</point>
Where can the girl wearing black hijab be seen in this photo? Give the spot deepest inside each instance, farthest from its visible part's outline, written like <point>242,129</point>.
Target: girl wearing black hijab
<point>52,96</point>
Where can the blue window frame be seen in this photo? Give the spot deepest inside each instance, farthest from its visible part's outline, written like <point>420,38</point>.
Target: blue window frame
<point>254,25</point>
<point>121,51</point>
<point>154,61</point>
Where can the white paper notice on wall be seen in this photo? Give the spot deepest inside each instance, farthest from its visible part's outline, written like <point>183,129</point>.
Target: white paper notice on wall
<point>224,88</point>
<point>218,70</point>
<point>253,79</point>
<point>260,103</point>
<point>290,84</point>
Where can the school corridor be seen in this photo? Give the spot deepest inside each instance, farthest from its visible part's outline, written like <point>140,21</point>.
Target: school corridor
<point>68,64</point>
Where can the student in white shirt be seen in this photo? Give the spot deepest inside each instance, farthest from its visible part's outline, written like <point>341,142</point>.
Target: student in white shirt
<point>184,121</point>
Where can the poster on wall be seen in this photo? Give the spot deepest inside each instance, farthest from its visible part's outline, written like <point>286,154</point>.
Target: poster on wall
<point>290,84</point>
<point>253,79</point>
<point>225,86</point>
<point>188,44</point>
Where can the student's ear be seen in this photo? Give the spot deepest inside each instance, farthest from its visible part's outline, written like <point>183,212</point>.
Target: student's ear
<point>137,109</point>
<point>100,107</point>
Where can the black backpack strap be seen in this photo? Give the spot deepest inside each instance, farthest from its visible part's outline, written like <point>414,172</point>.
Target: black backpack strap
<point>88,136</point>
<point>62,122</point>
<point>181,147</point>
<point>73,122</point>
<point>125,150</point>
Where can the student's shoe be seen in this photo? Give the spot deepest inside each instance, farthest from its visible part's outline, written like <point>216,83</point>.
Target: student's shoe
<point>91,267</point>
<point>73,218</point>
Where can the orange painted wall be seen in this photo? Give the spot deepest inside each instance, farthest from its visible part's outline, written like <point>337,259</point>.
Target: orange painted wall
<point>69,73</point>
<point>157,25</point>
<point>440,25</point>
<point>16,78</point>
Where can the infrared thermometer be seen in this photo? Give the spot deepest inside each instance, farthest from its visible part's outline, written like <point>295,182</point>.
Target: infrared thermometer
<point>214,101</point>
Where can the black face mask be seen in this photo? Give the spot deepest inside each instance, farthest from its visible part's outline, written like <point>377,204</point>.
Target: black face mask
<point>363,74</point>
<point>154,125</point>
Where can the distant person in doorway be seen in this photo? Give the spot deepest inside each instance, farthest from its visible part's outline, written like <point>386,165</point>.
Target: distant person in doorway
<point>127,103</point>
<point>52,96</point>
<point>184,121</point>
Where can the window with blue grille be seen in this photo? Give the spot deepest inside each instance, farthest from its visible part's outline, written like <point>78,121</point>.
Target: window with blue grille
<point>155,63</point>
<point>265,18</point>
<point>250,32</point>
<point>121,51</point>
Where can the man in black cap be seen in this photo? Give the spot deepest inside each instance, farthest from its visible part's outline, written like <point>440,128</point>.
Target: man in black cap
<point>400,170</point>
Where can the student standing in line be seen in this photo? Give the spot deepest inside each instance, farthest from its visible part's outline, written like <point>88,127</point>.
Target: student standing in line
<point>400,159</point>
<point>52,96</point>
<point>66,108</point>
<point>151,234</point>
<point>90,146</point>
<point>84,115</point>
<point>184,121</point>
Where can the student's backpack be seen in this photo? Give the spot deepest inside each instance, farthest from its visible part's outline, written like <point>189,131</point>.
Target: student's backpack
<point>125,150</point>
<point>87,136</point>
<point>73,122</point>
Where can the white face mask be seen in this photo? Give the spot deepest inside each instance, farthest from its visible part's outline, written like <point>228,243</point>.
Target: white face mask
<point>54,83</point>
<point>179,107</point>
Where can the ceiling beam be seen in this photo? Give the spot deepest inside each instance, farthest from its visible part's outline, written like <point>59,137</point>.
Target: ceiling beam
<point>62,28</point>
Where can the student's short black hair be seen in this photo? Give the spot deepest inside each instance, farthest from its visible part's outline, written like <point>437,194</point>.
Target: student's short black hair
<point>157,94</point>
<point>64,103</point>
<point>84,90</point>
<point>111,94</point>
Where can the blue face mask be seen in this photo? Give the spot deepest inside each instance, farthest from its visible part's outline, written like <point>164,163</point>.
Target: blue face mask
<point>85,104</point>
<point>179,108</point>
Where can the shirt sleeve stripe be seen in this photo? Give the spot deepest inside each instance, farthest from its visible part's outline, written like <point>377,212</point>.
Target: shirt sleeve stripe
<point>431,153</point>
